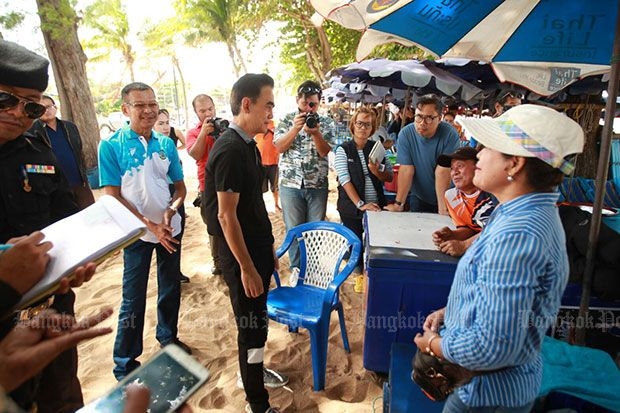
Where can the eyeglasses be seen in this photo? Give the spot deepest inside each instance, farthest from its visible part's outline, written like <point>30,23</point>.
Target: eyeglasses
<point>143,106</point>
<point>362,125</point>
<point>309,90</point>
<point>425,118</point>
<point>32,109</point>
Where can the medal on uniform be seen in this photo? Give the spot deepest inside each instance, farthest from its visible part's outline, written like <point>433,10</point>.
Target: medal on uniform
<point>162,154</point>
<point>27,187</point>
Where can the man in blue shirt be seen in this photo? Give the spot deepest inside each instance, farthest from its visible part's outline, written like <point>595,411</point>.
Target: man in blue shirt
<point>134,166</point>
<point>64,139</point>
<point>419,145</point>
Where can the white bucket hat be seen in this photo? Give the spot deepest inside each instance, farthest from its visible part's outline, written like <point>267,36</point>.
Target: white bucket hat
<point>530,131</point>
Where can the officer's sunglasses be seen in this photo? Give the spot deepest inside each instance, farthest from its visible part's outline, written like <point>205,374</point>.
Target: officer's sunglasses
<point>32,109</point>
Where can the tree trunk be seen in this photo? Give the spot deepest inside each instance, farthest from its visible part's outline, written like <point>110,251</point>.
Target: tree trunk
<point>59,27</point>
<point>231,53</point>
<point>177,64</point>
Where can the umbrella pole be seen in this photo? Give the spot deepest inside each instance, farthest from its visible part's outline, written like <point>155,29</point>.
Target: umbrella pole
<point>403,117</point>
<point>601,180</point>
<point>382,115</point>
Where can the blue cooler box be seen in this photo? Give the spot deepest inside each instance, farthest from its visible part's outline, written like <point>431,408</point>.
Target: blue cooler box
<point>404,284</point>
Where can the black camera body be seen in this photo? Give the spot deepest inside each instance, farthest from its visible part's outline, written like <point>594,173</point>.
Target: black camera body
<point>312,120</point>
<point>219,126</point>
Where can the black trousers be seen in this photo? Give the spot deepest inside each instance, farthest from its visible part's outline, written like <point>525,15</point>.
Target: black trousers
<point>251,319</point>
<point>355,225</point>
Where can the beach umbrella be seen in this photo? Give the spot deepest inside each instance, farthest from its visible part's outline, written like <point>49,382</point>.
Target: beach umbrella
<point>405,74</point>
<point>543,45</point>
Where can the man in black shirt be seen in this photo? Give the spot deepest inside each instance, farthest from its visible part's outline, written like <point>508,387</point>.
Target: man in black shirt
<point>236,214</point>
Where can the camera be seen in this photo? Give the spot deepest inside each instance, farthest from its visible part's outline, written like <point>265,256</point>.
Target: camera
<point>312,119</point>
<point>219,126</point>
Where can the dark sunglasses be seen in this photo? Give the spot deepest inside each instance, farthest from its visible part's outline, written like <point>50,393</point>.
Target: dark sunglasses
<point>309,90</point>
<point>33,110</point>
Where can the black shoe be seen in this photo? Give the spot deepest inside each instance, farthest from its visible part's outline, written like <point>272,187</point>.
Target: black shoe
<point>184,279</point>
<point>216,271</point>
<point>179,343</point>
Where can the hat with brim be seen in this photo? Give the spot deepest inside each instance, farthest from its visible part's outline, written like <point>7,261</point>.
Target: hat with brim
<point>530,131</point>
<point>466,153</point>
<point>19,67</point>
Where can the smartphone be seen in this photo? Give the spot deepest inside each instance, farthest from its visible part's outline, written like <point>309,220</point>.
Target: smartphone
<point>171,375</point>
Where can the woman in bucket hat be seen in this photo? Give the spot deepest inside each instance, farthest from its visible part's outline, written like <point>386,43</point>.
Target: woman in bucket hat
<point>508,285</point>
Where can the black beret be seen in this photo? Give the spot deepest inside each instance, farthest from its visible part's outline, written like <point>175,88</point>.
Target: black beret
<point>20,67</point>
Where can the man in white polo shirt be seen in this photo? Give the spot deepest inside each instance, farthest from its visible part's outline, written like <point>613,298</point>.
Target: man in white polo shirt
<point>134,166</point>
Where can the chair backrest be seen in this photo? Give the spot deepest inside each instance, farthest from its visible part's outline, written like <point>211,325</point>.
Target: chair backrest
<point>322,248</point>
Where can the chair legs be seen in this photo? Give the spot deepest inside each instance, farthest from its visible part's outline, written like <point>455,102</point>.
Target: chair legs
<point>343,327</point>
<point>318,346</point>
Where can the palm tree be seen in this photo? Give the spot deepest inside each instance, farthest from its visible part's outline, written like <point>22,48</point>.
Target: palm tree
<point>109,20</point>
<point>160,40</point>
<point>215,21</point>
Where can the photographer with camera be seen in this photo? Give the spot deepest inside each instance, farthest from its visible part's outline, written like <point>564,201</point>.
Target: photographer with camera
<point>199,142</point>
<point>304,139</point>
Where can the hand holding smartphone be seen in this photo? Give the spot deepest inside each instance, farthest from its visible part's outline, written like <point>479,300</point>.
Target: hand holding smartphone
<point>171,375</point>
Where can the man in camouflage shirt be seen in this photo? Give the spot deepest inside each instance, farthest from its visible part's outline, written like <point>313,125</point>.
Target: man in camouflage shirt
<point>304,142</point>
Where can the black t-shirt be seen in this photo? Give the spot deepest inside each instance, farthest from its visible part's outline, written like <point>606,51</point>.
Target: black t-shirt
<point>235,166</point>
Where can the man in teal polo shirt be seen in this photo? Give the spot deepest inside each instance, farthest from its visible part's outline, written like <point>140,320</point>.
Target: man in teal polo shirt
<point>134,166</point>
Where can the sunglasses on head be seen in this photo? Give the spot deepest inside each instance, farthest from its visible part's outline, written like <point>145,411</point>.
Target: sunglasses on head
<point>32,109</point>
<point>309,90</point>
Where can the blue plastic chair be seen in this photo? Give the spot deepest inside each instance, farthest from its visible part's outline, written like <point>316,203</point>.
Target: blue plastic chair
<point>323,247</point>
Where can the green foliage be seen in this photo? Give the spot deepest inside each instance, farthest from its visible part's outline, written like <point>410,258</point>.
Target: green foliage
<point>111,27</point>
<point>11,19</point>
<point>58,19</point>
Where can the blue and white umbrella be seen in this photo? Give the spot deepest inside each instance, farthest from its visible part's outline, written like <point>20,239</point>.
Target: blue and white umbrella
<point>396,76</point>
<point>542,45</point>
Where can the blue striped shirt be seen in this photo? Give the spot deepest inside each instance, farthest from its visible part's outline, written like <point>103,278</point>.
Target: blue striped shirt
<point>506,293</point>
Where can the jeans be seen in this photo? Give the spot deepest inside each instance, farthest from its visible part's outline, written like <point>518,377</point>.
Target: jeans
<point>455,405</point>
<point>298,207</point>
<point>251,319</point>
<point>137,264</point>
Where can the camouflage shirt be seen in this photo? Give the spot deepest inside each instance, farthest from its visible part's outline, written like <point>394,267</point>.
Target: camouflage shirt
<point>301,162</point>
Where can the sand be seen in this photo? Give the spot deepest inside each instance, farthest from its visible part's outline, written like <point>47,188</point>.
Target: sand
<point>206,324</point>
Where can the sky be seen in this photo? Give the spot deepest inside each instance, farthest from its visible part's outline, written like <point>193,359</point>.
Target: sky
<point>205,69</point>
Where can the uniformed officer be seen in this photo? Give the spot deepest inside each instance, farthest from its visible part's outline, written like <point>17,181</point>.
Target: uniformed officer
<point>33,194</point>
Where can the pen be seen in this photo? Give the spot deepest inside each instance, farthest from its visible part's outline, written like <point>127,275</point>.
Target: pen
<point>4,247</point>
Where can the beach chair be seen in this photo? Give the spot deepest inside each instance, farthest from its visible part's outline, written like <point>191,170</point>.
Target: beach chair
<point>323,247</point>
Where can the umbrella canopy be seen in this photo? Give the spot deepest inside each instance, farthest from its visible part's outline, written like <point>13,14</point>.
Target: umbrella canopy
<point>542,45</point>
<point>551,42</point>
<point>403,74</point>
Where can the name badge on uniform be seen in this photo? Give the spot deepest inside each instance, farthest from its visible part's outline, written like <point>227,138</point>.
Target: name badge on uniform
<point>162,155</point>
<point>40,169</point>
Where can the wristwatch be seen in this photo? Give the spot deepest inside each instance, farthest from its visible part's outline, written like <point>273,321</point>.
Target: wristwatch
<point>360,203</point>
<point>398,203</point>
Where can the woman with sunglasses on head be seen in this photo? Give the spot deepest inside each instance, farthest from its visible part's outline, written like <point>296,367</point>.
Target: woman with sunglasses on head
<point>360,180</point>
<point>507,288</point>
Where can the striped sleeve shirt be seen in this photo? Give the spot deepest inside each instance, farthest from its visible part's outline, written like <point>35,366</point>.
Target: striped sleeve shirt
<point>506,293</point>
